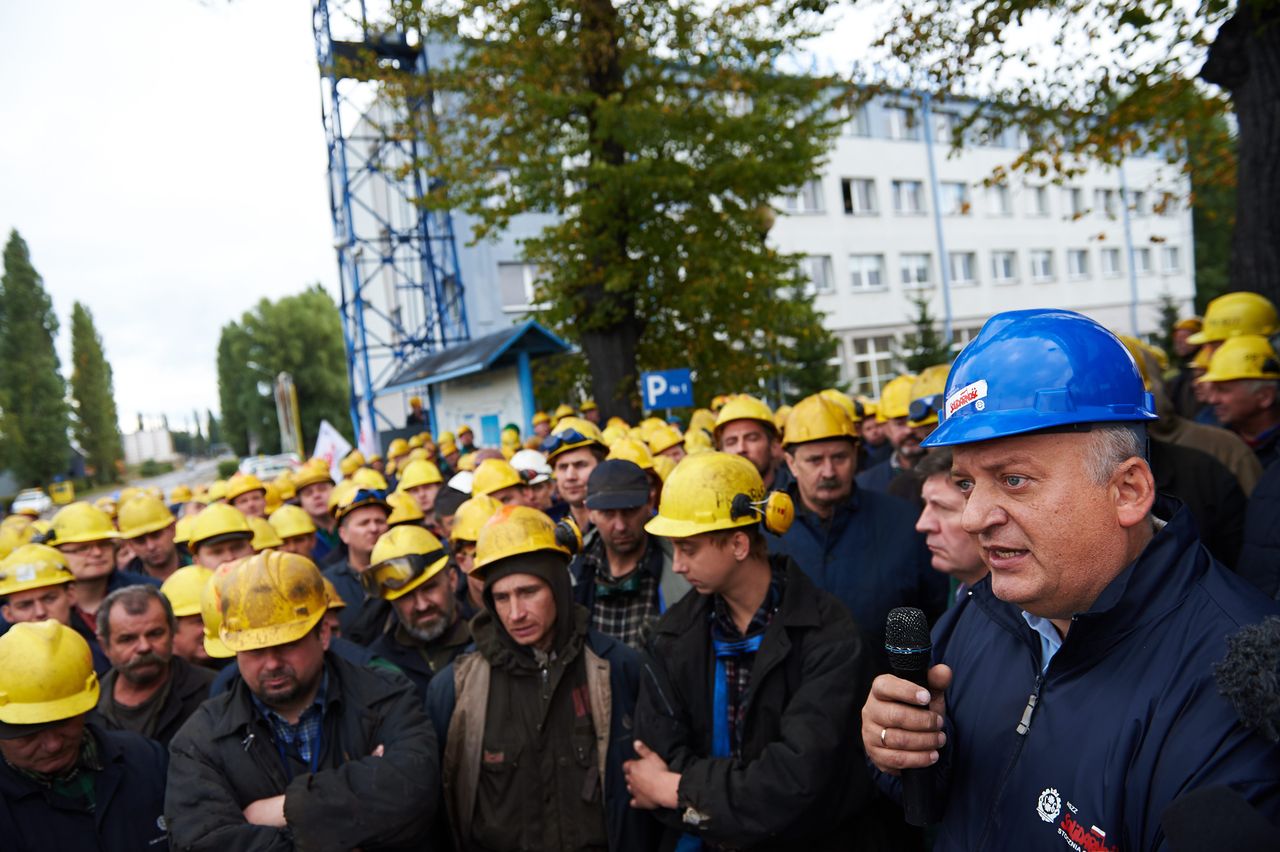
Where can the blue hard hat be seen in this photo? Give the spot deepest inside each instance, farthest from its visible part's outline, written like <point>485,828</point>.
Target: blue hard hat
<point>1039,369</point>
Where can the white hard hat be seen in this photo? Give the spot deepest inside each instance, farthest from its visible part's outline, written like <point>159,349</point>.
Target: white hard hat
<point>461,481</point>
<point>533,462</point>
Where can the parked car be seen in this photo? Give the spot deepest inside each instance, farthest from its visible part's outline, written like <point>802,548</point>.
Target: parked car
<point>31,501</point>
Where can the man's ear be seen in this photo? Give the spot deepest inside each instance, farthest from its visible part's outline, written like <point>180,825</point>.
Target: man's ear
<point>1134,491</point>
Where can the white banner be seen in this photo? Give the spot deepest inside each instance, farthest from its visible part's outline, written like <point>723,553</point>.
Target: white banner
<point>331,446</point>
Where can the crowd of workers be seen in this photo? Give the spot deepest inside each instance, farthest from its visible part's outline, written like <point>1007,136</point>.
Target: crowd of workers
<point>642,637</point>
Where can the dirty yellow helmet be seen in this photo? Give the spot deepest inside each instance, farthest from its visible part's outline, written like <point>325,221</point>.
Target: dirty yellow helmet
<point>741,407</point>
<point>404,509</point>
<point>33,566</point>
<point>663,465</point>
<point>271,598</point>
<point>927,393</point>
<point>417,473</point>
<point>632,450</point>
<point>107,505</point>
<point>264,535</point>
<point>494,475</point>
<point>1247,356</point>
<point>46,674</point>
<point>180,494</point>
<point>184,587</point>
<point>218,490</point>
<point>718,491</point>
<point>418,454</point>
<point>895,398</point>
<point>347,497</point>
<point>312,473</point>
<point>780,418</point>
<point>182,529</point>
<point>243,483</point>
<point>816,418</point>
<point>1234,314</point>
<point>291,521</point>
<point>448,438</point>
<point>331,594</point>
<point>518,531</point>
<point>471,516</point>
<point>664,439</point>
<point>367,477</point>
<point>216,521</point>
<point>541,417</point>
<point>399,447</point>
<point>80,522</point>
<point>211,613</point>
<point>403,559</point>
<point>143,515</point>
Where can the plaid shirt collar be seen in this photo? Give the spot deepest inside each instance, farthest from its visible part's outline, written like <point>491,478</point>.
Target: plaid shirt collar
<point>304,737</point>
<point>722,623</point>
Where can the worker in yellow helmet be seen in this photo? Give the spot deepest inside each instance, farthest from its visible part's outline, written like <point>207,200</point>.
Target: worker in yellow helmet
<point>894,413</point>
<point>314,486</point>
<point>362,519</point>
<point>302,736</point>
<point>466,439</point>
<point>471,515</point>
<point>1244,389</point>
<point>184,589</point>
<point>745,427</point>
<point>541,425</point>
<point>574,449</point>
<point>247,493</point>
<point>416,417</point>
<point>296,530</point>
<point>36,584</point>
<point>148,525</point>
<point>220,534</point>
<point>590,411</point>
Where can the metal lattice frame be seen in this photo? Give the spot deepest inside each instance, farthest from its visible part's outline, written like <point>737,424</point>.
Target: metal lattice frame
<point>387,245</point>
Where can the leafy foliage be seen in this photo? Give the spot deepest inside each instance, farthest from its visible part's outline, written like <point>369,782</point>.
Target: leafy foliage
<point>96,422</point>
<point>923,346</point>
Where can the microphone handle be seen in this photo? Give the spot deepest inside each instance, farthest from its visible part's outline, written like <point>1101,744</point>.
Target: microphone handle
<point>918,800</point>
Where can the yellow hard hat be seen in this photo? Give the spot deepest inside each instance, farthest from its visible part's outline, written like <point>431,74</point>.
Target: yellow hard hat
<point>33,566</point>
<point>243,483</point>
<point>284,487</point>
<point>471,516</point>
<point>464,429</point>
<point>40,527</point>
<point>347,496</point>
<point>184,587</point>
<point>273,500</point>
<point>663,465</point>
<point>718,401</point>
<point>632,450</point>
<point>448,438</point>
<point>517,531</point>
<point>718,491</point>
<point>702,418</point>
<point>291,521</point>
<point>869,406</point>
<point>895,398</point>
<point>1247,356</point>
<point>1192,324</point>
<point>418,454</point>
<point>564,410</point>
<point>588,405</point>
<point>698,441</point>
<point>46,674</point>
<point>80,522</point>
<point>613,433</point>
<point>494,475</point>
<point>143,515</point>
<point>467,462</point>
<point>312,473</point>
<point>404,509</point>
<point>10,539</point>
<point>399,447</point>
<point>348,466</point>
<point>417,473</point>
<point>331,594</point>
<point>1141,356</point>
<point>211,613</point>
<point>180,494</point>
<point>927,393</point>
<point>218,490</point>
<point>107,505</point>
<point>447,448</point>
<point>264,535</point>
<point>218,520</point>
<point>271,598</point>
<point>742,407</point>
<point>816,418</point>
<point>844,401</point>
<point>664,439</point>
<point>358,458</point>
<point>780,418</point>
<point>1234,314</point>
<point>130,492</point>
<point>415,400</point>
<point>403,559</point>
<point>367,477</point>
<point>182,529</point>
<point>541,417</point>
<point>416,441</point>
<point>1202,358</point>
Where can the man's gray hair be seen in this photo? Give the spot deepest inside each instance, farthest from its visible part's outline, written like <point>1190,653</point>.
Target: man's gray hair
<point>135,600</point>
<point>1114,444</point>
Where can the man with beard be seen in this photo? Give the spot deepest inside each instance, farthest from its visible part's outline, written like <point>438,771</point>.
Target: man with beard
<point>149,690</point>
<point>906,430</point>
<point>410,570</point>
<point>305,750</point>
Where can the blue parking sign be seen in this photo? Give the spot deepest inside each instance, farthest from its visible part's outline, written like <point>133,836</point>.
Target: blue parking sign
<point>667,388</point>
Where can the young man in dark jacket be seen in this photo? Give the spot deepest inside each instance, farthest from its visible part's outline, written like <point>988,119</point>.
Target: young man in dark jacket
<point>746,727</point>
<point>535,723</point>
<point>305,749</point>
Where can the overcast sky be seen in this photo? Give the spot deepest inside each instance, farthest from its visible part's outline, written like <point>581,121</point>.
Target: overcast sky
<point>164,160</point>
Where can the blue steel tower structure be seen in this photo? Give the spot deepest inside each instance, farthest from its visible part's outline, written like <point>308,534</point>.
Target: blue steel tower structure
<point>401,290</point>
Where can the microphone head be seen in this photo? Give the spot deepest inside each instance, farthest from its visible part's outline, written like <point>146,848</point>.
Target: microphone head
<point>1249,676</point>
<point>907,628</point>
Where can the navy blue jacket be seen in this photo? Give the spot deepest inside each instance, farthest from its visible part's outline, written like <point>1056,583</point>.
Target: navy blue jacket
<point>1259,561</point>
<point>869,556</point>
<point>878,476</point>
<point>1127,716</point>
<point>128,802</point>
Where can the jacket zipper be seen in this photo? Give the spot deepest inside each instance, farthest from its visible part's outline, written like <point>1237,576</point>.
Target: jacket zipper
<point>1024,726</point>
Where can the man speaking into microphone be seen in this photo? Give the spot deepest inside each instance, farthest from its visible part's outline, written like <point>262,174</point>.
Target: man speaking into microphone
<point>1072,696</point>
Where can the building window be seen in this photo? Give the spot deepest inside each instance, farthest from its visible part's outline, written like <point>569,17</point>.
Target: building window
<point>1041,265</point>
<point>808,200</point>
<point>1104,201</point>
<point>999,202</point>
<point>908,197</point>
<point>1142,261</point>
<point>1077,263</point>
<point>1110,262</point>
<point>856,121</point>
<point>964,267</point>
<point>955,198</point>
<point>1172,259</point>
<point>1138,203</point>
<point>817,270</point>
<point>859,196</point>
<point>1073,197</point>
<point>946,128</point>
<point>914,269</point>
<point>866,272</point>
<point>872,364</point>
<point>516,282</point>
<point>903,123</point>
<point>1004,267</point>
<point>1038,201</point>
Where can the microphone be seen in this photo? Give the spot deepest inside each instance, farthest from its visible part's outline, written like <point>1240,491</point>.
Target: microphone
<point>907,642</point>
<point>1249,676</point>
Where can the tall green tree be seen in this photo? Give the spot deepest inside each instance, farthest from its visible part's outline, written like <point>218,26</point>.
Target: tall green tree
<point>924,345</point>
<point>32,391</point>
<point>212,429</point>
<point>96,422</point>
<point>656,136</point>
<point>300,335</point>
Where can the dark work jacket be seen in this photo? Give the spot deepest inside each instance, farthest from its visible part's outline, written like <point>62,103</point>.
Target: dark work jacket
<point>798,782</point>
<point>364,617</point>
<point>1209,491</point>
<point>1260,554</point>
<point>1268,447</point>
<point>869,556</point>
<point>225,757</point>
<point>128,803</point>
<point>409,659</point>
<point>357,655</point>
<point>187,691</point>
<point>878,476</point>
<point>1127,717</point>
